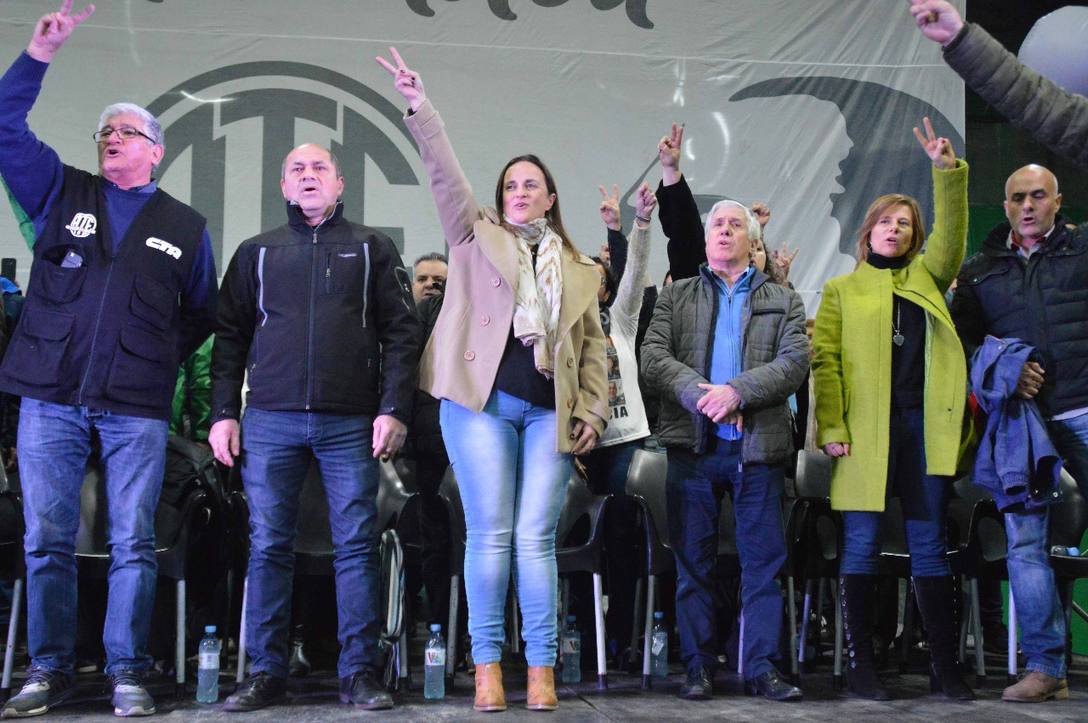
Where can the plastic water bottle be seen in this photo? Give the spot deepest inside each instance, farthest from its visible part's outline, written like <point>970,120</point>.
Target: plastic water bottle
<point>659,648</point>
<point>434,666</point>
<point>1064,551</point>
<point>207,675</point>
<point>570,653</point>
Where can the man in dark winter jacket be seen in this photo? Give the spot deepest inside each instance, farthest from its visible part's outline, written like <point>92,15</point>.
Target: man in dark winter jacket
<point>1030,282</point>
<point>726,349</point>
<point>122,287</point>
<point>318,315</point>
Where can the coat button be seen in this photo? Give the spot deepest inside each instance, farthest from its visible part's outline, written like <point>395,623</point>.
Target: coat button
<point>469,355</point>
<point>495,281</point>
<point>570,362</point>
<point>485,320</point>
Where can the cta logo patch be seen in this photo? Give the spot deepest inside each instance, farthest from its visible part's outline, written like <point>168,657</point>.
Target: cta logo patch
<point>82,225</point>
<point>165,246</point>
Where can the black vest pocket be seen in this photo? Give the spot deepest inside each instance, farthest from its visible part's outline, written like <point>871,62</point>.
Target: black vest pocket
<point>152,302</point>
<point>58,284</point>
<point>140,363</point>
<point>36,354</point>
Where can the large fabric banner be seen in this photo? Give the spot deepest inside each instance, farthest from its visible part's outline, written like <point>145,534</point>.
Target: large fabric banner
<point>804,104</point>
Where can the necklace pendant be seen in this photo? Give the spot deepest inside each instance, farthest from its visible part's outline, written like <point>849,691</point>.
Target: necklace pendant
<point>898,339</point>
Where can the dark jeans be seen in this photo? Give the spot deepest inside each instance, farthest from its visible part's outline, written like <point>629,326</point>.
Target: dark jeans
<point>695,487</point>
<point>277,447</point>
<point>924,499</point>
<point>435,535</point>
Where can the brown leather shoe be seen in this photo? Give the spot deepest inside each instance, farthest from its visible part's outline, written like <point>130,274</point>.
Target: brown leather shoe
<point>541,694</point>
<point>1035,687</point>
<point>489,693</point>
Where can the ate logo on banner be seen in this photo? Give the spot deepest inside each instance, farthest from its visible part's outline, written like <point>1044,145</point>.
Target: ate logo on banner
<point>234,125</point>
<point>636,9</point>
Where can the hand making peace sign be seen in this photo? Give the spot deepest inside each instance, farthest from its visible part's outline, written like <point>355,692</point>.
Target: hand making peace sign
<point>407,82</point>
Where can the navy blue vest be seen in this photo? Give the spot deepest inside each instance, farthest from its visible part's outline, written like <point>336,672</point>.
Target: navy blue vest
<point>101,330</point>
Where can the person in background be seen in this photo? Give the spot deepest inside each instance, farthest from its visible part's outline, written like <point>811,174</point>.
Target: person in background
<point>429,276</point>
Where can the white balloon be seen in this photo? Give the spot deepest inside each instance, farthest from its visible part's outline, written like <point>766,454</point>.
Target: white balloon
<point>1057,47</point>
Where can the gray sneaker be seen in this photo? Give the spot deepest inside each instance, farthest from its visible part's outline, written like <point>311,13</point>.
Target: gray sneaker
<point>130,698</point>
<point>42,690</point>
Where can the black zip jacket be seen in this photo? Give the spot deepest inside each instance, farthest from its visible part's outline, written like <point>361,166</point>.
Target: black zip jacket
<point>320,318</point>
<point>1041,300</point>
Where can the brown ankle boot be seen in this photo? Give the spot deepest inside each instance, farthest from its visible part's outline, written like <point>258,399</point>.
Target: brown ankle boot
<point>489,693</point>
<point>541,694</point>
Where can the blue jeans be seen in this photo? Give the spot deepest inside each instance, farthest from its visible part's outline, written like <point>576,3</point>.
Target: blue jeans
<point>924,500</point>
<point>276,451</point>
<point>54,445</point>
<point>1039,613</point>
<point>513,484</point>
<point>695,485</point>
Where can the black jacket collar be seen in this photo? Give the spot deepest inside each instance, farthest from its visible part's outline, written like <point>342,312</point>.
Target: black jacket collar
<point>297,219</point>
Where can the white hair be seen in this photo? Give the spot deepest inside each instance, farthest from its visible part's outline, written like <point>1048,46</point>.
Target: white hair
<point>152,127</point>
<point>754,230</point>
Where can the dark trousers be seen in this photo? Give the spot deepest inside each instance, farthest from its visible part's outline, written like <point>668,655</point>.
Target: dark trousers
<point>695,487</point>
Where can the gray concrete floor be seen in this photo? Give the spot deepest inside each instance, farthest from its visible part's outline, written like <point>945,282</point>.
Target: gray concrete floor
<point>314,699</point>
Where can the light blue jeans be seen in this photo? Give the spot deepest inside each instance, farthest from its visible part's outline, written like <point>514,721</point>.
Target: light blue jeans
<point>513,484</point>
<point>1039,613</point>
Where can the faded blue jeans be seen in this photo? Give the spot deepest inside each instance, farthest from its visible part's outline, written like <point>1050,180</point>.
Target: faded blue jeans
<point>276,451</point>
<point>1039,613</point>
<point>513,484</point>
<point>54,445</point>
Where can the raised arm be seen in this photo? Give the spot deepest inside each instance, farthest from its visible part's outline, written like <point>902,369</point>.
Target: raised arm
<point>948,241</point>
<point>628,301</point>
<point>32,170</point>
<point>1054,117</point>
<point>457,208</point>
<point>680,219</point>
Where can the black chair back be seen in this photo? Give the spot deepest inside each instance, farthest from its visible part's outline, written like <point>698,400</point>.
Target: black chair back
<point>813,476</point>
<point>1068,518</point>
<point>646,484</point>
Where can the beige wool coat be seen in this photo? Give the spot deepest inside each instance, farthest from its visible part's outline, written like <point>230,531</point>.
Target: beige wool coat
<point>461,359</point>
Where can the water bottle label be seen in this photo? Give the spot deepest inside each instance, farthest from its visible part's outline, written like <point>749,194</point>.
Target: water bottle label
<point>657,646</point>
<point>572,645</point>
<point>435,656</point>
<point>209,660</point>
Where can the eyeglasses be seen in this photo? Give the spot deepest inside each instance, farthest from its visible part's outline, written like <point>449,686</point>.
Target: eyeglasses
<point>125,133</point>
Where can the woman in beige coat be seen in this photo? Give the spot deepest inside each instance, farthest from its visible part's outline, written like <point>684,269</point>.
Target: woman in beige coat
<point>517,358</point>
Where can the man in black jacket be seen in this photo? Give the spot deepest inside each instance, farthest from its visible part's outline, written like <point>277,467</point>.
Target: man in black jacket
<point>1030,282</point>
<point>318,315</point>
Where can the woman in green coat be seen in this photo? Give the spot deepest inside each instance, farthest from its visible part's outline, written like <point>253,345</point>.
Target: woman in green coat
<point>890,382</point>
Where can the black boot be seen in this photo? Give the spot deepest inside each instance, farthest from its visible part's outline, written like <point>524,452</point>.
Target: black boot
<point>858,592</point>
<point>937,604</point>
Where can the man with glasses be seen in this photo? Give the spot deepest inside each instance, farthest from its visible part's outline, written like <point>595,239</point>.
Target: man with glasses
<point>122,287</point>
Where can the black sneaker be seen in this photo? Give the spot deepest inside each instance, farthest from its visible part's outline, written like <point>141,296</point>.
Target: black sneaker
<point>42,690</point>
<point>365,691</point>
<point>698,686</point>
<point>256,691</point>
<point>771,687</point>
<point>130,698</point>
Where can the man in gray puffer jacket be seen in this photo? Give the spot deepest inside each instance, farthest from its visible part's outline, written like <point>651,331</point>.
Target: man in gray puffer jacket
<point>725,349</point>
<point>1054,117</point>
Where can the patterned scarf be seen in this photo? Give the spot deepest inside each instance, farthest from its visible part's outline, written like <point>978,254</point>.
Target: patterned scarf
<point>539,292</point>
